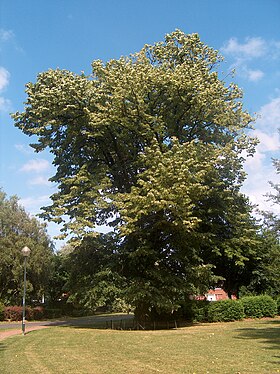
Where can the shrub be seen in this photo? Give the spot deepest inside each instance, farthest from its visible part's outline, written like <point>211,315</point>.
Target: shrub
<point>2,308</point>
<point>192,310</point>
<point>14,313</point>
<point>53,313</point>
<point>38,312</point>
<point>225,311</point>
<point>259,306</point>
<point>278,305</point>
<point>199,310</point>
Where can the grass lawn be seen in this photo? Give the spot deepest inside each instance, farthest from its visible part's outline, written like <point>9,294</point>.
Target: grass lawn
<point>223,348</point>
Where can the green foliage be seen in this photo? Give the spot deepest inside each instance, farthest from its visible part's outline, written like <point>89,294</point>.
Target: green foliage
<point>225,311</point>
<point>59,276</point>
<point>259,306</point>
<point>278,304</point>
<point>53,313</point>
<point>265,267</point>
<point>273,220</point>
<point>119,305</point>
<point>193,310</point>
<point>98,126</point>
<point>153,143</point>
<point>93,280</point>
<point>38,313</point>
<point>17,230</point>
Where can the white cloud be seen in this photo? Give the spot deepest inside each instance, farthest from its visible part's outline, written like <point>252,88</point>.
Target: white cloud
<point>4,78</point>
<point>6,35</point>
<point>270,116</point>
<point>35,165</point>
<point>267,131</point>
<point>23,148</point>
<point>268,142</point>
<point>254,75</point>
<point>5,105</point>
<point>252,164</point>
<point>260,168</point>
<point>257,186</point>
<point>253,47</point>
<point>39,181</point>
<point>34,204</point>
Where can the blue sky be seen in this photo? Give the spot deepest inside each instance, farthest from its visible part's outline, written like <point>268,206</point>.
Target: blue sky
<point>70,34</point>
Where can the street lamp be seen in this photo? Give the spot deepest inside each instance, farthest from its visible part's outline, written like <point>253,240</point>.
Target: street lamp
<point>26,252</point>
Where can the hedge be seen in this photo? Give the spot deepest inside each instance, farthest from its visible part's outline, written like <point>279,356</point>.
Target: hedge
<point>225,311</point>
<point>14,313</point>
<point>278,304</point>
<point>259,306</point>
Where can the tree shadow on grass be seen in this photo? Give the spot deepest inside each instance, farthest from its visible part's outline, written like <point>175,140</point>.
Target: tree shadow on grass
<point>123,322</point>
<point>267,333</point>
<point>96,322</point>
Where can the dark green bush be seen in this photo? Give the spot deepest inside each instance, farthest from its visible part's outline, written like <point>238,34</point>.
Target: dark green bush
<point>38,313</point>
<point>278,305</point>
<point>53,313</point>
<point>259,306</point>
<point>200,310</point>
<point>225,311</point>
<point>192,310</point>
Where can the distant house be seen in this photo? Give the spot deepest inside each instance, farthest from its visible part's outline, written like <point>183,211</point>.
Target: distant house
<point>214,295</point>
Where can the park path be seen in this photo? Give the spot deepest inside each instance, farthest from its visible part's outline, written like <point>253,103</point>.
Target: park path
<point>7,333</point>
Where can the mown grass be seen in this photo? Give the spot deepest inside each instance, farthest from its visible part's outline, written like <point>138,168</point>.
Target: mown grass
<point>222,348</point>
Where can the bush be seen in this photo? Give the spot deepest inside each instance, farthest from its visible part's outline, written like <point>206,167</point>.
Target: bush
<point>38,312</point>
<point>259,306</point>
<point>278,305</point>
<point>199,310</point>
<point>53,313</point>
<point>225,311</point>
<point>14,313</point>
<point>193,310</point>
<point>2,309</point>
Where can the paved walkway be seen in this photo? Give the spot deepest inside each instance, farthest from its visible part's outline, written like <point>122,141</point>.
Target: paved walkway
<point>7,333</point>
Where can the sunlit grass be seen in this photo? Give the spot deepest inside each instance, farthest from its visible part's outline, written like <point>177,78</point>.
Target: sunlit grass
<point>238,347</point>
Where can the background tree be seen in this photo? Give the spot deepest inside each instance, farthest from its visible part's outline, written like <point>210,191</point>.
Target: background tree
<point>17,230</point>
<point>154,140</point>
<point>93,274</point>
<point>265,267</point>
<point>273,220</point>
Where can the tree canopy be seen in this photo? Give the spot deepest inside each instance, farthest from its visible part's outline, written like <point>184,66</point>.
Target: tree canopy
<point>153,142</point>
<point>17,230</point>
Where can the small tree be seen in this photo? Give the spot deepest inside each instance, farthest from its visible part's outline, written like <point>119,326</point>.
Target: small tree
<point>17,230</point>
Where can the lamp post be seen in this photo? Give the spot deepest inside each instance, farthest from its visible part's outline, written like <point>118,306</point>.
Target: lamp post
<point>26,252</point>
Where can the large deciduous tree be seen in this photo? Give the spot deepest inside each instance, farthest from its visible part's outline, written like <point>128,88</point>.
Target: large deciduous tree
<point>18,229</point>
<point>156,141</point>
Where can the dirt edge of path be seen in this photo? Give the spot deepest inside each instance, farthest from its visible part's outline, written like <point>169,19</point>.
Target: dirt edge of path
<point>11,332</point>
